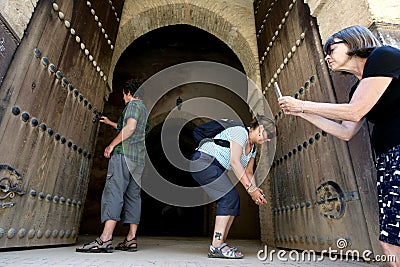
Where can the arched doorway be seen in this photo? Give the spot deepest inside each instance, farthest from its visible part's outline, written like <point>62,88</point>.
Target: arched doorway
<point>149,54</point>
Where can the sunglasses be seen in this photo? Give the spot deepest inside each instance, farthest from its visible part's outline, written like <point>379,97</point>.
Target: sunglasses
<point>329,50</point>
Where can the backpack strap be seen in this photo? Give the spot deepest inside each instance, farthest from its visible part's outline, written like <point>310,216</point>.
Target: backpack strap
<point>225,143</point>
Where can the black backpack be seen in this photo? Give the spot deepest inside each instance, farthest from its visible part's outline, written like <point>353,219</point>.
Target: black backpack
<point>207,131</point>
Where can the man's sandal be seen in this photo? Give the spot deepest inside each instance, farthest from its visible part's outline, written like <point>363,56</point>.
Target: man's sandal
<point>129,246</point>
<point>217,252</point>
<point>97,246</point>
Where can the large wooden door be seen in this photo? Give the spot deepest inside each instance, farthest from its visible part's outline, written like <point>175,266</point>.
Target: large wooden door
<point>53,89</point>
<point>318,198</point>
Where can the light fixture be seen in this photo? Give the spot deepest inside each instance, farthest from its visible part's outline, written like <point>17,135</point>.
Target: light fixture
<point>179,102</point>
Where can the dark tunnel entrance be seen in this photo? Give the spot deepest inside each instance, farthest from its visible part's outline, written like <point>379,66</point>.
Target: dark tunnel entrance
<point>146,56</point>
<point>162,218</point>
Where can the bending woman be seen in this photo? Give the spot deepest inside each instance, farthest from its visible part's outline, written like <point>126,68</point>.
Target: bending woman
<point>208,167</point>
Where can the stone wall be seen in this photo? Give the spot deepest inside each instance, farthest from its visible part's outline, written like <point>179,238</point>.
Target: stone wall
<point>333,15</point>
<point>18,14</point>
<point>232,23</point>
<point>385,11</point>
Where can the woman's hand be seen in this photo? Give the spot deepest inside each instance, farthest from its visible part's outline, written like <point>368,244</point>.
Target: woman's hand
<point>290,105</point>
<point>258,196</point>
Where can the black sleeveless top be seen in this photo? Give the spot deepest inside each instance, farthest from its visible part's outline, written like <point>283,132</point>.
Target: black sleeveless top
<point>385,115</point>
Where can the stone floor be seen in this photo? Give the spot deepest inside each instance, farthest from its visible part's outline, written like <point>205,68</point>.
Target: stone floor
<point>156,252</point>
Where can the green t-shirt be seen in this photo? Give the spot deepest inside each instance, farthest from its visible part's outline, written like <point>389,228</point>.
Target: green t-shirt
<point>134,146</point>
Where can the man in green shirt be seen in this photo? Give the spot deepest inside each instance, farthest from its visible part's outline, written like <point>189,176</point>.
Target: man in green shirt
<point>121,192</point>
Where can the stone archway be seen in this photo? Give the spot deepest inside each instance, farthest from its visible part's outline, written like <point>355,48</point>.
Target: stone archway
<point>233,25</point>
<point>154,51</point>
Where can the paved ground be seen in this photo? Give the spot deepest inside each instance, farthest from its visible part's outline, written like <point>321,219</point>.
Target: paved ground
<point>155,252</point>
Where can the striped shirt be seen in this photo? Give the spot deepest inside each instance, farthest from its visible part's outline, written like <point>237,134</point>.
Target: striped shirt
<point>134,146</point>
<point>238,134</point>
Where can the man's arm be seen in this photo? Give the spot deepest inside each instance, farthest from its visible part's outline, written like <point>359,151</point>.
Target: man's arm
<point>124,134</point>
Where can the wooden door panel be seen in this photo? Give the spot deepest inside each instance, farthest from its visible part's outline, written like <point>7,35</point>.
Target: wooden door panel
<point>315,194</point>
<point>54,88</point>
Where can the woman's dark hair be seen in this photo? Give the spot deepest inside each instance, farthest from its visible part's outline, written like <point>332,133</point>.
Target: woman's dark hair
<point>131,86</point>
<point>269,125</point>
<point>360,40</point>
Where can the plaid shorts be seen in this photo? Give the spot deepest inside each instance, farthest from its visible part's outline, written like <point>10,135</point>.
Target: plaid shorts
<point>389,196</point>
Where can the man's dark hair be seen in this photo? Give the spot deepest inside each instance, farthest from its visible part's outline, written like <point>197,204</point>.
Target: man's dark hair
<point>131,86</point>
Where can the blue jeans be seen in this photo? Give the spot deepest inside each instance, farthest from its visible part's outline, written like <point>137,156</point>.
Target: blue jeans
<point>222,190</point>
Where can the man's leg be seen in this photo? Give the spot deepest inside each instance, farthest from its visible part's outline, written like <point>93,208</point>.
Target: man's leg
<point>130,242</point>
<point>132,199</point>
<point>132,203</point>
<point>132,231</point>
<point>113,195</point>
<point>111,206</point>
<point>103,243</point>
<point>108,230</point>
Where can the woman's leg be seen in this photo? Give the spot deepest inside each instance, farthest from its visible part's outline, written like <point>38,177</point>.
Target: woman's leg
<point>227,208</point>
<point>221,230</point>
<point>389,204</point>
<point>229,226</point>
<point>218,186</point>
<point>391,251</point>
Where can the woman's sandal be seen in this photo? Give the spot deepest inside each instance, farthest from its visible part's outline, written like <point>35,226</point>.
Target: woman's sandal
<point>97,246</point>
<point>126,245</point>
<point>217,252</point>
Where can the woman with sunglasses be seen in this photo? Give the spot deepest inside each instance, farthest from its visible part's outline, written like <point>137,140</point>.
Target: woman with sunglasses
<point>208,167</point>
<point>375,97</point>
